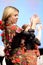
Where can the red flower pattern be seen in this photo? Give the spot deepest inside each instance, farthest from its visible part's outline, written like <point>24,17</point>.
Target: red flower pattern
<point>28,58</point>
<point>1,26</point>
<point>0,22</point>
<point>13,27</point>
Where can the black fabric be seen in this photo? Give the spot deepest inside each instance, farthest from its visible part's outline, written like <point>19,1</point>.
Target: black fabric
<point>1,59</point>
<point>30,39</point>
<point>8,62</point>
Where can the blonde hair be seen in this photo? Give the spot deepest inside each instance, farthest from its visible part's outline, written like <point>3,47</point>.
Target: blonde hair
<point>8,11</point>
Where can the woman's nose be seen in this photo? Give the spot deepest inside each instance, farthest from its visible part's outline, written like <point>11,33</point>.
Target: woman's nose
<point>17,17</point>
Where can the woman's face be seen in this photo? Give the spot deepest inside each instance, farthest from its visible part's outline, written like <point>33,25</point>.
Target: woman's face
<point>13,18</point>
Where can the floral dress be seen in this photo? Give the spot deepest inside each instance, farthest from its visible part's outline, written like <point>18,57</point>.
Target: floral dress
<point>7,37</point>
<point>24,58</point>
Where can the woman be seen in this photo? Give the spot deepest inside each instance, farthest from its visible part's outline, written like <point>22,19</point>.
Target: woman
<point>9,20</point>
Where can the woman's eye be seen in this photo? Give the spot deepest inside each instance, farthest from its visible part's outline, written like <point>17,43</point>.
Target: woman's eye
<point>16,15</point>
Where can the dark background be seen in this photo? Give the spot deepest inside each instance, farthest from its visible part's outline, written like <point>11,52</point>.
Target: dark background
<point>41,51</point>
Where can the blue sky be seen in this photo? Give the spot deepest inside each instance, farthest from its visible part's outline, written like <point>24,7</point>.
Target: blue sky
<point>26,9</point>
